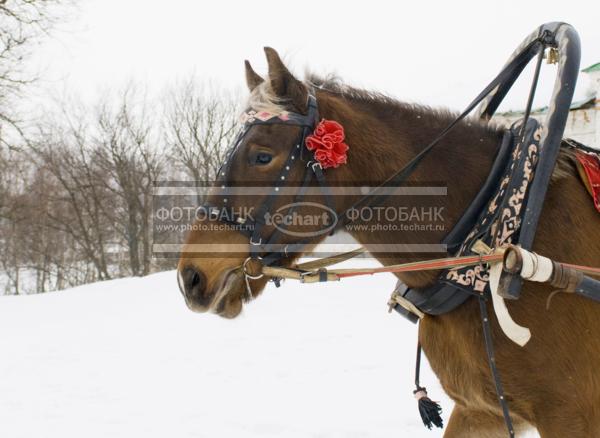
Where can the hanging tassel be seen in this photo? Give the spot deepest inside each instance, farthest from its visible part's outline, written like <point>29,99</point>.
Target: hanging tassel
<point>430,411</point>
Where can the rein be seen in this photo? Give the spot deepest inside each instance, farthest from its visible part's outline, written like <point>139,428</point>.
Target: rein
<point>322,274</point>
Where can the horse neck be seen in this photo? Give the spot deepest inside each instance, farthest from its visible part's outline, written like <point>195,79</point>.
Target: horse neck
<point>383,137</point>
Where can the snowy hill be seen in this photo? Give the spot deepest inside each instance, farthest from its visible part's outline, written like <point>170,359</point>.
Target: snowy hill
<point>126,358</point>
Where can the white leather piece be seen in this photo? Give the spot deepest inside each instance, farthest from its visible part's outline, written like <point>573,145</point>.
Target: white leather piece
<point>518,334</point>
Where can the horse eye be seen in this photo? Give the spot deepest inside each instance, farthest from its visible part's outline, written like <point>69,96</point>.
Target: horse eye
<point>263,158</point>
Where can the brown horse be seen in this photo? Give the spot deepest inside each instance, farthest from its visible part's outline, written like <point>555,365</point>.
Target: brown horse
<point>553,383</point>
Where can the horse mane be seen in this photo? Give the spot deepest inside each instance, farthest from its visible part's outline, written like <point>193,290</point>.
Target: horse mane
<point>388,107</point>
<point>334,84</point>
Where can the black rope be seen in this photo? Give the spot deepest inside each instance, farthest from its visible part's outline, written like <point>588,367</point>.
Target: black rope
<point>431,412</point>
<point>489,348</point>
<point>418,366</point>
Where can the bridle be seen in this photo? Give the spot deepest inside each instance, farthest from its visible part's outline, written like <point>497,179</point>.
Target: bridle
<point>268,249</point>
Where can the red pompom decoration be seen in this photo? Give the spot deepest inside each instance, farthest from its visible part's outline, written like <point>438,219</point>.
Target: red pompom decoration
<point>327,142</point>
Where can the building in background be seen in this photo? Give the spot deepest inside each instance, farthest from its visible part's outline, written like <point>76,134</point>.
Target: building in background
<point>583,123</point>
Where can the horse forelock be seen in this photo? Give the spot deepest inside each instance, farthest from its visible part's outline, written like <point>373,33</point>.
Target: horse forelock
<point>263,98</point>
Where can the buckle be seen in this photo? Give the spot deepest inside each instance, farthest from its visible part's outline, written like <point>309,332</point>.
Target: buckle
<point>313,165</point>
<point>259,243</point>
<point>407,309</point>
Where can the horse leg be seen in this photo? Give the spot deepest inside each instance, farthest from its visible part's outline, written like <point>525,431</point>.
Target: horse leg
<point>470,423</point>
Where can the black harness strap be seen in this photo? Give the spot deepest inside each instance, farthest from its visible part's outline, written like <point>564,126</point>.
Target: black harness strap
<point>301,192</point>
<point>489,348</point>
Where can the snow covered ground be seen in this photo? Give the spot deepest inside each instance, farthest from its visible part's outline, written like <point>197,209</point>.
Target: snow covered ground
<point>126,358</point>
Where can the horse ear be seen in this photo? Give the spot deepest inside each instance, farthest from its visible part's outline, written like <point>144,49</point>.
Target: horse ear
<point>253,80</point>
<point>284,84</point>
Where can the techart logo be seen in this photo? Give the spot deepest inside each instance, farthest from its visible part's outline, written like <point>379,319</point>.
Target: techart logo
<point>291,218</point>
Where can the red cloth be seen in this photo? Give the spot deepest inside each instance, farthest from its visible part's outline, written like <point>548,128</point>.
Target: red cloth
<point>327,144</point>
<point>591,165</point>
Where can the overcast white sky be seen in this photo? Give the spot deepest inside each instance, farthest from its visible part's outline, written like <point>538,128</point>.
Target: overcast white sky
<point>439,53</point>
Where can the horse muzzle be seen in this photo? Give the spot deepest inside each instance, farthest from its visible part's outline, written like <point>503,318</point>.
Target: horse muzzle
<point>224,297</point>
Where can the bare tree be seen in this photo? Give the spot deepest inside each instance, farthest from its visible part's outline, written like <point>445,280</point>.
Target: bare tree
<point>76,202</point>
<point>13,179</point>
<point>79,205</point>
<point>129,154</point>
<point>201,121</point>
<point>22,24</point>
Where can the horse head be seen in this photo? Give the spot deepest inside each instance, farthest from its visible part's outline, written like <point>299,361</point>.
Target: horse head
<point>256,188</point>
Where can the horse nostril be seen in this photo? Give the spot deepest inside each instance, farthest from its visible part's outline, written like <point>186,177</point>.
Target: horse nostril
<point>196,279</point>
<point>194,285</point>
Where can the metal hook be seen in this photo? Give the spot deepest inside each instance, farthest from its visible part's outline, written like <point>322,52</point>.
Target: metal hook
<point>248,277</point>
